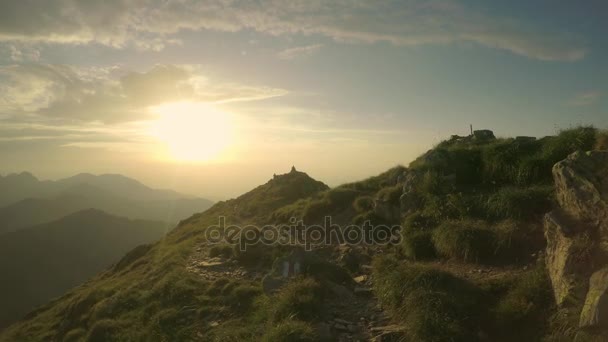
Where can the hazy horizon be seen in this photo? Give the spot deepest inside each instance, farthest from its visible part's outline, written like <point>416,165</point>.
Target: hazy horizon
<point>212,98</point>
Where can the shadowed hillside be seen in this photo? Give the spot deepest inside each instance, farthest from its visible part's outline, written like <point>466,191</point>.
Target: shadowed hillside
<point>44,261</point>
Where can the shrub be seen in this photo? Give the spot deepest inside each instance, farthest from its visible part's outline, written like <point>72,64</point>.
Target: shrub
<point>520,203</point>
<point>435,305</point>
<point>363,204</point>
<point>556,148</point>
<point>601,141</point>
<point>431,183</point>
<point>243,296</point>
<point>391,194</point>
<point>516,241</point>
<point>419,221</point>
<point>301,299</point>
<point>465,240</point>
<point>418,245</point>
<point>216,287</point>
<point>257,255</point>
<point>341,197</point>
<point>290,331</point>
<point>504,160</point>
<point>525,306</point>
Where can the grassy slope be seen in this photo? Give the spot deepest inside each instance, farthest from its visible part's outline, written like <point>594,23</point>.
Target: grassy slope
<point>488,196</point>
<point>41,262</point>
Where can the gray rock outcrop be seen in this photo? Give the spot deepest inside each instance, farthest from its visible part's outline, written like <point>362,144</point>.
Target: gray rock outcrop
<point>577,235</point>
<point>595,310</point>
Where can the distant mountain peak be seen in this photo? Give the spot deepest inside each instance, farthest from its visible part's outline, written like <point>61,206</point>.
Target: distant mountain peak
<point>22,176</point>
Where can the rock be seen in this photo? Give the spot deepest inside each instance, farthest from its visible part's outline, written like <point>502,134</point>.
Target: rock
<point>342,321</point>
<point>595,310</point>
<point>339,290</point>
<point>210,263</point>
<point>483,134</point>
<point>323,331</point>
<point>361,279</point>
<point>362,291</point>
<point>560,261</point>
<point>582,189</point>
<point>340,327</point>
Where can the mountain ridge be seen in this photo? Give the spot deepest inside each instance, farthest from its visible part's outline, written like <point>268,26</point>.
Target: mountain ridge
<point>469,266</point>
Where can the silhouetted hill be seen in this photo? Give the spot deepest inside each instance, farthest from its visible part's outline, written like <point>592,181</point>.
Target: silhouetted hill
<point>17,187</point>
<point>279,191</point>
<point>44,261</point>
<point>120,185</point>
<point>114,194</point>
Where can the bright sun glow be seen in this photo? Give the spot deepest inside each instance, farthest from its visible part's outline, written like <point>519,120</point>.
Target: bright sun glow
<point>192,131</point>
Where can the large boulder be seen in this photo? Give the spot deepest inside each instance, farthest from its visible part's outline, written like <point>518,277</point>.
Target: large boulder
<point>560,256</point>
<point>577,237</point>
<point>581,183</point>
<point>595,310</point>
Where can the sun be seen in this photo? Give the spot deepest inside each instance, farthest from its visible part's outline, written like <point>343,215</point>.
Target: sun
<point>192,131</point>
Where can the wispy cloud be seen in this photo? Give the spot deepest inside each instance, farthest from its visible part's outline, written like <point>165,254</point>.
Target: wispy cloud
<point>64,94</point>
<point>586,98</point>
<point>299,51</point>
<point>148,24</point>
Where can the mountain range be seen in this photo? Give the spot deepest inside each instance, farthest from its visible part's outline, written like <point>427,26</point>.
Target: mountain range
<point>26,201</point>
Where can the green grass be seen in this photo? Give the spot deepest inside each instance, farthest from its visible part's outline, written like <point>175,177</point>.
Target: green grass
<point>363,204</point>
<point>520,203</point>
<point>469,241</point>
<point>290,331</point>
<point>418,245</point>
<point>525,306</point>
<point>300,299</point>
<point>434,305</point>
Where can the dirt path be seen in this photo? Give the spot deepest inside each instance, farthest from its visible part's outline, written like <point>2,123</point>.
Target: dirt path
<point>353,314</point>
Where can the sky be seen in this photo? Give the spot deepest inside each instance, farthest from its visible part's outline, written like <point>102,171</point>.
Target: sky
<point>213,97</point>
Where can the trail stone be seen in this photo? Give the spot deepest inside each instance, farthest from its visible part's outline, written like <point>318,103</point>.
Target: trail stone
<point>595,310</point>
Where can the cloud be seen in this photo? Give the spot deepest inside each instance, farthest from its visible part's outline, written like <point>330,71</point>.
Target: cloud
<point>585,99</point>
<point>149,24</point>
<point>59,93</point>
<point>299,51</point>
